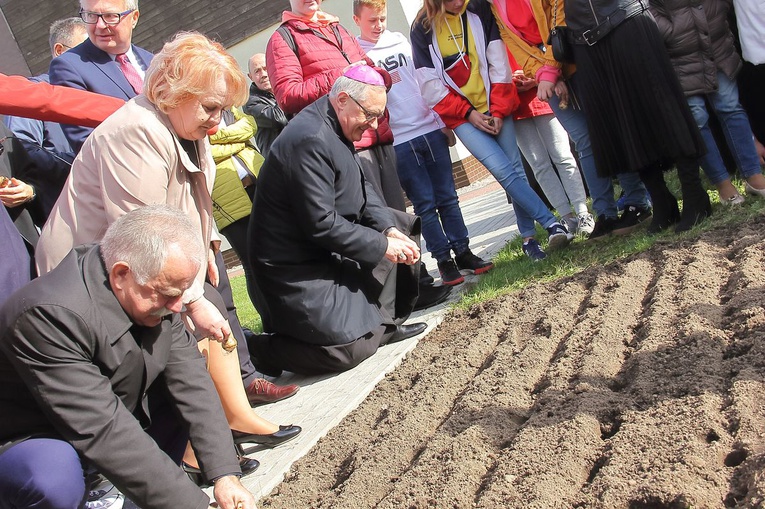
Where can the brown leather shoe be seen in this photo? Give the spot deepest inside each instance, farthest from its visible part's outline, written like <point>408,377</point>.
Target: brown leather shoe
<point>262,391</point>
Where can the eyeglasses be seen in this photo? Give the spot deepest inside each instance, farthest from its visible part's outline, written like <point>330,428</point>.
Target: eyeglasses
<point>109,18</point>
<point>369,116</point>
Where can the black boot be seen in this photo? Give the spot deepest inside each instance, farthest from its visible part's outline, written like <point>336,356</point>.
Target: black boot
<point>665,210</point>
<point>696,205</point>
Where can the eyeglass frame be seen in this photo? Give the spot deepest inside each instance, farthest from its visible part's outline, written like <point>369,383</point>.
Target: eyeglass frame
<point>368,115</point>
<point>119,15</point>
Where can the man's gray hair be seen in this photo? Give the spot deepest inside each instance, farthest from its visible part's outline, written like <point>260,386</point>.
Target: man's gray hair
<point>143,237</point>
<point>63,30</point>
<point>129,4</point>
<point>353,88</point>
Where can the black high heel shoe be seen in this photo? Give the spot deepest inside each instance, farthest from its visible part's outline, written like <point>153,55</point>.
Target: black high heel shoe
<point>285,434</point>
<point>247,465</point>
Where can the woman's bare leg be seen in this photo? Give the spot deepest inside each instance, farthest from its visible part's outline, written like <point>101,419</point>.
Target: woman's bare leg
<point>224,371</point>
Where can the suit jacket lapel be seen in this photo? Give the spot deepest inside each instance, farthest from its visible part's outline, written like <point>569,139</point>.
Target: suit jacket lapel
<point>104,63</point>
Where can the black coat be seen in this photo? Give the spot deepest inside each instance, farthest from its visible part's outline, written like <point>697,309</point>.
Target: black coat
<point>73,365</point>
<point>584,14</point>
<point>316,246</point>
<point>268,115</point>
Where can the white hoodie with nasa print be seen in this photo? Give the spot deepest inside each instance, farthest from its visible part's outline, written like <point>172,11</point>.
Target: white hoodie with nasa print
<point>410,116</point>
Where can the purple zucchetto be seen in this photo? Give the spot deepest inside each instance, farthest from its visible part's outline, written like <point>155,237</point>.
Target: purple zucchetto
<point>365,74</point>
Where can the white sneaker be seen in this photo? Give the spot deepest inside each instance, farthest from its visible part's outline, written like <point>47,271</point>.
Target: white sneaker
<point>586,223</point>
<point>105,496</point>
<point>572,224</point>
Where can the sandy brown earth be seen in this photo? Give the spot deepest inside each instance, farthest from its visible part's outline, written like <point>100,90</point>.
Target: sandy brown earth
<point>640,384</point>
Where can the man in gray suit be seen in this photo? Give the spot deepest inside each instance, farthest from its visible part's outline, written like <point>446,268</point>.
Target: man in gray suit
<point>86,350</point>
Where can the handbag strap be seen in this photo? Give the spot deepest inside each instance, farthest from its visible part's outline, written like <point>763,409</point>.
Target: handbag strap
<point>555,14</point>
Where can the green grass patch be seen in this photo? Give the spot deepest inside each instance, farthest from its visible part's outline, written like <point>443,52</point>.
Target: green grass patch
<point>248,317</point>
<point>513,270</point>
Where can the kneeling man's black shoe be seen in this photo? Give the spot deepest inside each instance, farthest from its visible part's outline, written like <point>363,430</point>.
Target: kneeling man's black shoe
<point>403,332</point>
<point>431,295</point>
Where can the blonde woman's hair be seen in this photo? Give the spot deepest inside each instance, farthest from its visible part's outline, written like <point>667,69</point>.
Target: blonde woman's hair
<point>189,66</point>
<point>431,14</point>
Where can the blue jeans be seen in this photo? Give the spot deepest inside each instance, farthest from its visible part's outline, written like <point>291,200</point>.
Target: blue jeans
<point>735,125</point>
<point>425,171</point>
<point>500,155</point>
<point>601,189</point>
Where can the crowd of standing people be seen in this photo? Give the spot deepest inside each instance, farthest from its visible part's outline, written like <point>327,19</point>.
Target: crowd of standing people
<point>122,359</point>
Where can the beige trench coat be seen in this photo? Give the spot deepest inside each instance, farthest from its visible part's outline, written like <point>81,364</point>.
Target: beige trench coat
<point>133,159</point>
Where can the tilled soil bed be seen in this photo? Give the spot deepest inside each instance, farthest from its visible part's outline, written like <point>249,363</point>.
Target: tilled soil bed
<point>634,385</point>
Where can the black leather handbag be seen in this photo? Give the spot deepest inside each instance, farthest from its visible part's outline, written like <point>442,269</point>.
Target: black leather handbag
<point>560,45</point>
<point>559,41</point>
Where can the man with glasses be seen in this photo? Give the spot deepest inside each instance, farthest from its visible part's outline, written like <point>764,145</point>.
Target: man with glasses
<point>107,62</point>
<point>323,245</point>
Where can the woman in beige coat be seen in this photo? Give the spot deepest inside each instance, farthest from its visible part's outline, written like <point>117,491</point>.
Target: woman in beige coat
<point>155,150</point>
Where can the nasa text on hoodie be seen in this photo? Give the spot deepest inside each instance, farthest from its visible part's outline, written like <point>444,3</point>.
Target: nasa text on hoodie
<point>410,116</point>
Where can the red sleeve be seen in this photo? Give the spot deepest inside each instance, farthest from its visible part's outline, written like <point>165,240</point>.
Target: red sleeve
<point>39,100</point>
<point>452,109</point>
<point>504,99</point>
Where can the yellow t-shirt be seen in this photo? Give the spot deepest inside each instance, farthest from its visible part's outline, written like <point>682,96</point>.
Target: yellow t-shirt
<point>451,43</point>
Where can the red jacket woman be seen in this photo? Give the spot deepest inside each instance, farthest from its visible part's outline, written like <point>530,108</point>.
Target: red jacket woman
<point>323,49</point>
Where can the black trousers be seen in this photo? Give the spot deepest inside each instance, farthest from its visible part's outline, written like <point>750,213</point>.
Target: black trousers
<point>291,354</point>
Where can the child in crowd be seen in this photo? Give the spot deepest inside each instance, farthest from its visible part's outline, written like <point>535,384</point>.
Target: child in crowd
<point>707,67</point>
<point>421,143</point>
<point>464,75</point>
<point>543,141</point>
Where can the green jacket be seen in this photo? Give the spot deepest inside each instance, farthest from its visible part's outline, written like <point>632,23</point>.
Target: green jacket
<point>230,200</point>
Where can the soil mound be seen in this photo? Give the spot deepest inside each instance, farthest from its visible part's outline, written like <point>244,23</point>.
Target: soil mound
<point>640,384</point>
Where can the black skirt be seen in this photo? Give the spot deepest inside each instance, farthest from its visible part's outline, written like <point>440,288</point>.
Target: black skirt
<point>636,111</point>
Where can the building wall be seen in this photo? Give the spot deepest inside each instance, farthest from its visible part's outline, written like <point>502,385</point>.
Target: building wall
<point>11,59</point>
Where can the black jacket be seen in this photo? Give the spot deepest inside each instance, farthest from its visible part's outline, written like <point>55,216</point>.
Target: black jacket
<point>73,365</point>
<point>268,115</point>
<point>585,14</point>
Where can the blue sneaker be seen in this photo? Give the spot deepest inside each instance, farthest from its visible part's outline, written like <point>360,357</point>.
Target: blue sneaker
<point>533,250</point>
<point>558,236</point>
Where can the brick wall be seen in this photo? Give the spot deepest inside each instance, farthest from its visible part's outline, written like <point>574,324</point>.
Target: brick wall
<point>466,172</point>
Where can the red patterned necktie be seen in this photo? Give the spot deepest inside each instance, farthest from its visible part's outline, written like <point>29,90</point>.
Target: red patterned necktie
<point>130,73</point>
